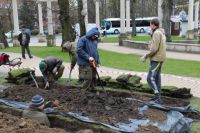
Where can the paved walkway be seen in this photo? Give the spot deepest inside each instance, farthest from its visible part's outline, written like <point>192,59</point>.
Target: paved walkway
<point>120,49</point>
<point>171,80</point>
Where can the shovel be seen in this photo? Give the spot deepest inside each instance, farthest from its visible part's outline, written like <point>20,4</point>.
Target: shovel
<point>93,64</point>
<point>31,74</point>
<point>69,79</point>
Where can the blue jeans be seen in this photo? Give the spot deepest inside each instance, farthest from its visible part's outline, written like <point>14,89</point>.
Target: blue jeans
<point>154,76</point>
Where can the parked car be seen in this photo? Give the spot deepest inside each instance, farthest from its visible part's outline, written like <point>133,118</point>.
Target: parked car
<point>8,35</point>
<point>27,31</point>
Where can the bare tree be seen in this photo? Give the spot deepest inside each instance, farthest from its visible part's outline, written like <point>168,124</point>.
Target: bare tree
<point>9,12</point>
<point>81,18</point>
<point>167,11</point>
<point>133,17</point>
<point>65,21</point>
<point>3,38</point>
<point>91,11</point>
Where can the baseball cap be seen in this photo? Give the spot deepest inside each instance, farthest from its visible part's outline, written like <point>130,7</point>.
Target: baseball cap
<point>42,66</point>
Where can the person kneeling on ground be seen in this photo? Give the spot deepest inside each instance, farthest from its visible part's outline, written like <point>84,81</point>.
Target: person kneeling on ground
<point>35,110</point>
<point>52,69</point>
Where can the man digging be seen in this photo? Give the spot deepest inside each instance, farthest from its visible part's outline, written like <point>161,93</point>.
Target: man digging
<point>87,55</point>
<point>52,69</point>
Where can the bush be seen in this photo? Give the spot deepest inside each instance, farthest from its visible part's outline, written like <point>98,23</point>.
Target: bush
<point>35,32</point>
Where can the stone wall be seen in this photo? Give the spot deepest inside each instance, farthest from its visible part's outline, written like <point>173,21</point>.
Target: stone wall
<point>179,47</point>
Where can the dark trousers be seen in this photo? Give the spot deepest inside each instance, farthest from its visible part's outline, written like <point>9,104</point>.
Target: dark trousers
<point>154,76</point>
<point>23,47</point>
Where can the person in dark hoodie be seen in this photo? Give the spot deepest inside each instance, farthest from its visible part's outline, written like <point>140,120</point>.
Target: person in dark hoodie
<point>87,52</point>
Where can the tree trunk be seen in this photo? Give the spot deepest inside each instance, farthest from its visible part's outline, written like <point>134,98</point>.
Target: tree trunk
<point>133,17</point>
<point>167,11</point>
<point>9,11</point>
<point>3,38</point>
<point>81,18</point>
<point>67,31</point>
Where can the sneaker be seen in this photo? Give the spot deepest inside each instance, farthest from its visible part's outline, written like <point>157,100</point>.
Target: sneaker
<point>24,57</point>
<point>31,57</point>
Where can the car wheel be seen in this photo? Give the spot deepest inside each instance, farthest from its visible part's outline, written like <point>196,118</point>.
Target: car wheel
<point>142,30</point>
<point>116,32</point>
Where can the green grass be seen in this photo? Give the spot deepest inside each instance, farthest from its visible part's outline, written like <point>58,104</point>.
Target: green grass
<point>194,102</point>
<point>122,61</point>
<point>137,38</point>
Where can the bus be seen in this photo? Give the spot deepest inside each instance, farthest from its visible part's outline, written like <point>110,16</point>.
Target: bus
<point>112,25</point>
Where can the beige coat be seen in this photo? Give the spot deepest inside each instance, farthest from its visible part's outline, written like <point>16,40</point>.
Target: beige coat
<point>158,46</point>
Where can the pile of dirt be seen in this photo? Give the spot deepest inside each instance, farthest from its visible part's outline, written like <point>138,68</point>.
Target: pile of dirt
<point>104,107</point>
<point>13,124</point>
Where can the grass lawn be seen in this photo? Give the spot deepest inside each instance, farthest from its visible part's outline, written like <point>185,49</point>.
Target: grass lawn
<point>137,38</point>
<point>194,102</point>
<point>121,61</point>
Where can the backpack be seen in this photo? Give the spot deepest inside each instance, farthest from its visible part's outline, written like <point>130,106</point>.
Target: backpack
<point>4,58</point>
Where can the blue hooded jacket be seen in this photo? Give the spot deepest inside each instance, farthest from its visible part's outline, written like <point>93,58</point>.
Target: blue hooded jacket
<point>87,47</point>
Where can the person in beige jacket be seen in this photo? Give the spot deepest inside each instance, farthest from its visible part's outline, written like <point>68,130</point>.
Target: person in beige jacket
<point>157,56</point>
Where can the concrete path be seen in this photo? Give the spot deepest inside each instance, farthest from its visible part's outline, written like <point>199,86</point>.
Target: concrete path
<point>173,55</point>
<point>171,80</point>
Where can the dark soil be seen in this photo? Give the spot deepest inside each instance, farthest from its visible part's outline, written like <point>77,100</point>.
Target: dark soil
<point>13,124</point>
<point>107,107</point>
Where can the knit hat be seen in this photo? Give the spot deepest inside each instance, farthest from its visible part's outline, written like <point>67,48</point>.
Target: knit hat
<point>37,101</point>
<point>42,66</point>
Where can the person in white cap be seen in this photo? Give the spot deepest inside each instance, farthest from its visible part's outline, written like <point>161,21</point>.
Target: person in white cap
<point>71,48</point>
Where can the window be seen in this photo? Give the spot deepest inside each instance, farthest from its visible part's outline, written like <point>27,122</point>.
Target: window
<point>115,24</point>
<point>108,25</point>
<point>145,23</point>
<point>138,23</point>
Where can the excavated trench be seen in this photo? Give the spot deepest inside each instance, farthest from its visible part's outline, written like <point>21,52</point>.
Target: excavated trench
<point>108,108</point>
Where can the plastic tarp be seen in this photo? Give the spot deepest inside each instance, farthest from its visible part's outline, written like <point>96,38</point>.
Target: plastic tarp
<point>175,122</point>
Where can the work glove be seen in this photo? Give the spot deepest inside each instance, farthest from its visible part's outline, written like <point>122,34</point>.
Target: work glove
<point>55,70</point>
<point>47,85</point>
<point>91,59</point>
<point>143,59</point>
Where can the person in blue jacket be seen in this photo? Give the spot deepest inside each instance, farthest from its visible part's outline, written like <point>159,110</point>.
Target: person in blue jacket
<point>88,53</point>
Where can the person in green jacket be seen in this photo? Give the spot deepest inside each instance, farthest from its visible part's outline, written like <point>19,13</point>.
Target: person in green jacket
<point>35,110</point>
<point>71,48</point>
